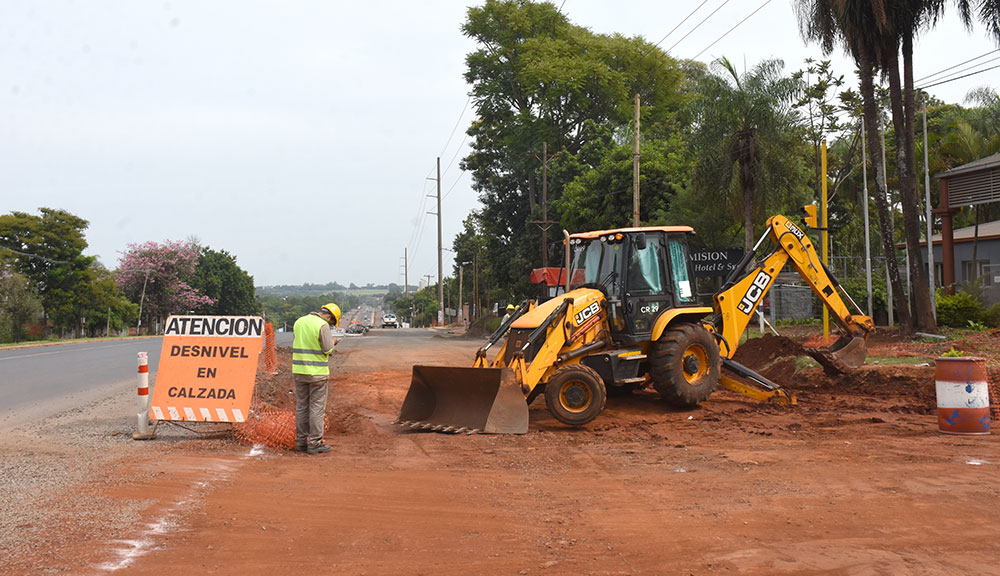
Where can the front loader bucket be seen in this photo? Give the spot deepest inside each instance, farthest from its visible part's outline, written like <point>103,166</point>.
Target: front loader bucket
<point>845,355</point>
<point>450,399</point>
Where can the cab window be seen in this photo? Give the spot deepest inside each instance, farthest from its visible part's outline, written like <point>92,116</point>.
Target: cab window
<point>679,269</point>
<point>646,270</point>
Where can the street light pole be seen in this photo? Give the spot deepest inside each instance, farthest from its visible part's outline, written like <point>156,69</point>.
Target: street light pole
<point>141,299</point>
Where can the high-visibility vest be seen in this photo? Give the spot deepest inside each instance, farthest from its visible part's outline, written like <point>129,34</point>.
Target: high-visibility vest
<point>307,355</point>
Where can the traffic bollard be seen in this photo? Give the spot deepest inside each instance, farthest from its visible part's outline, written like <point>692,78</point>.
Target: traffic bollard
<point>142,429</point>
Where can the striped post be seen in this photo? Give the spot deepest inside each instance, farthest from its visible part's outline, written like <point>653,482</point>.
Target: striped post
<point>142,384</point>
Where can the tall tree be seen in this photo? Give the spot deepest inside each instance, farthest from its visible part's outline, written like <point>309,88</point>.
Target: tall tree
<point>230,287</point>
<point>105,308</point>
<point>18,304</point>
<point>819,86</point>
<point>48,250</point>
<point>157,277</point>
<point>536,78</point>
<point>598,197</point>
<point>858,26</point>
<point>744,130</point>
<point>905,18</point>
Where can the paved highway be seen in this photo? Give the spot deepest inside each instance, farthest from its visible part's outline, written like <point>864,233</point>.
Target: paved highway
<point>40,381</point>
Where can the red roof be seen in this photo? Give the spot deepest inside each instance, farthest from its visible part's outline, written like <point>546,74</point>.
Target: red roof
<point>552,276</point>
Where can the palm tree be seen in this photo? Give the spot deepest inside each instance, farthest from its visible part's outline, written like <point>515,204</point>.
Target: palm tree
<point>859,27</point>
<point>744,122</point>
<point>905,19</point>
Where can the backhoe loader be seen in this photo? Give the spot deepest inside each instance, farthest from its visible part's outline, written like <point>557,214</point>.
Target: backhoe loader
<point>628,318</point>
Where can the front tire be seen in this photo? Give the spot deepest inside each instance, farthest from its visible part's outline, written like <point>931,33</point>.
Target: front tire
<point>575,394</point>
<point>685,365</point>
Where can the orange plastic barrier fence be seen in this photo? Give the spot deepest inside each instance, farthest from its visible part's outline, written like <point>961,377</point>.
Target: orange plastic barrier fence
<point>270,352</point>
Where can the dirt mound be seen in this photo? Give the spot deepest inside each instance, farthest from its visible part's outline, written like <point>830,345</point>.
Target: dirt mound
<point>478,330</point>
<point>757,353</point>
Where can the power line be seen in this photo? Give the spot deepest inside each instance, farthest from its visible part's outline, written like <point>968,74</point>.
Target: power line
<point>955,66</point>
<point>457,152</point>
<point>959,77</point>
<point>457,122</point>
<point>958,72</point>
<point>698,26</point>
<point>766,2</point>
<point>457,180</point>
<point>678,26</point>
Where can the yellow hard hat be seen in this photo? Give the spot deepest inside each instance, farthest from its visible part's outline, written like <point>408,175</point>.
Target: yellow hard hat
<point>511,307</point>
<point>334,311</point>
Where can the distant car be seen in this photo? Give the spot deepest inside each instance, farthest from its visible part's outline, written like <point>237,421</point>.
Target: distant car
<point>389,321</point>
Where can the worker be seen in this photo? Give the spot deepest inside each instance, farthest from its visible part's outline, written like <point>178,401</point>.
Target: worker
<point>311,350</point>
<point>510,312</point>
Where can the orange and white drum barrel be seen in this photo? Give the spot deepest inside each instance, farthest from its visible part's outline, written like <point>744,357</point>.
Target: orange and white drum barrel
<point>963,398</point>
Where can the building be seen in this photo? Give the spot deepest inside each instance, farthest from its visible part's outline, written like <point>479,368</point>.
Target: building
<point>969,185</point>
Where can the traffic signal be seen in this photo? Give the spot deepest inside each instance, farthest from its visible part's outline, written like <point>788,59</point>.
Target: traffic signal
<point>810,216</point>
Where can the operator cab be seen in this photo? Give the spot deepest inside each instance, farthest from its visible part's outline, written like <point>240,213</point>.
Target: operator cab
<point>642,271</point>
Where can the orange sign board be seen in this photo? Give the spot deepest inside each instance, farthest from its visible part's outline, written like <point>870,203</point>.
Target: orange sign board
<point>207,368</point>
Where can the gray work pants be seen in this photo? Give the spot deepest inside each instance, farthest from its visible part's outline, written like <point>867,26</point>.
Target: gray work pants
<point>310,407</point>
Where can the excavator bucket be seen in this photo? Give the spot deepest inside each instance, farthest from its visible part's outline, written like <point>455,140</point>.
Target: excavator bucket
<point>450,399</point>
<point>845,355</point>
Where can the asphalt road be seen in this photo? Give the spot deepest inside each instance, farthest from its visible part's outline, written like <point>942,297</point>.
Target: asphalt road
<point>40,381</point>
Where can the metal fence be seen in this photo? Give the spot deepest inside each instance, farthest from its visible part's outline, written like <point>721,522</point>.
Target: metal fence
<point>789,302</point>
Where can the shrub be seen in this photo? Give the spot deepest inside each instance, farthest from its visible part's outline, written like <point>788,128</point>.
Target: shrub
<point>958,310</point>
<point>492,324</point>
<point>992,316</point>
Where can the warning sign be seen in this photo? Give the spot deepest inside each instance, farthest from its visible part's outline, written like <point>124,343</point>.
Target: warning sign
<point>207,368</point>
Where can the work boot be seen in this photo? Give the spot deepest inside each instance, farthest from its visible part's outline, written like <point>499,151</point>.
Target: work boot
<point>318,449</point>
<point>301,448</point>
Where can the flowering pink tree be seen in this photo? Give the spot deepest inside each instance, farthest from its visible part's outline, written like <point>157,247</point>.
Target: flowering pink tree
<point>156,276</point>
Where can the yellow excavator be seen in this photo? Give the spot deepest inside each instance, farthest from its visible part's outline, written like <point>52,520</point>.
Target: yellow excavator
<point>628,318</point>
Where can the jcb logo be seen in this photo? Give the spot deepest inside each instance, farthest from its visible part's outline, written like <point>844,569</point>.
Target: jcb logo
<point>756,290</point>
<point>587,312</point>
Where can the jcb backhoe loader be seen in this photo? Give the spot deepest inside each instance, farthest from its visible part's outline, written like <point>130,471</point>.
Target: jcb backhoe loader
<point>628,317</point>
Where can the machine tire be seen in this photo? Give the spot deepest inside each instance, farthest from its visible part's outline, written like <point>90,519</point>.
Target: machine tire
<point>575,394</point>
<point>685,365</point>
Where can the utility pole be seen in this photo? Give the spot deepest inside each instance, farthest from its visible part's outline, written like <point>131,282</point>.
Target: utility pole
<point>461,312</point>
<point>544,223</point>
<point>440,250</point>
<point>635,167</point>
<point>406,273</point>
<point>930,218</point>
<point>440,247</point>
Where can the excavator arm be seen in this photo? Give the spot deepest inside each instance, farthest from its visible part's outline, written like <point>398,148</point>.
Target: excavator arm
<point>737,302</point>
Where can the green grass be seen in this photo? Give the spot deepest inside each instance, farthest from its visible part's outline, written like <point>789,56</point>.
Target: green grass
<point>804,363</point>
<point>896,361</point>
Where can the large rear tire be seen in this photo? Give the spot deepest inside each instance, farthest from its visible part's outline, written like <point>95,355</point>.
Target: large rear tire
<point>575,394</point>
<point>685,365</point>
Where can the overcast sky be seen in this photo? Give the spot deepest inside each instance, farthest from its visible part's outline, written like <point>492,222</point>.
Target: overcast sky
<point>299,136</point>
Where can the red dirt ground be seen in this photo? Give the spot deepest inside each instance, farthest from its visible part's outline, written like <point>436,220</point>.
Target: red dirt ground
<point>855,480</point>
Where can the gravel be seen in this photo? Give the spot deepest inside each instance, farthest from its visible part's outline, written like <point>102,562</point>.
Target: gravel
<point>55,477</point>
